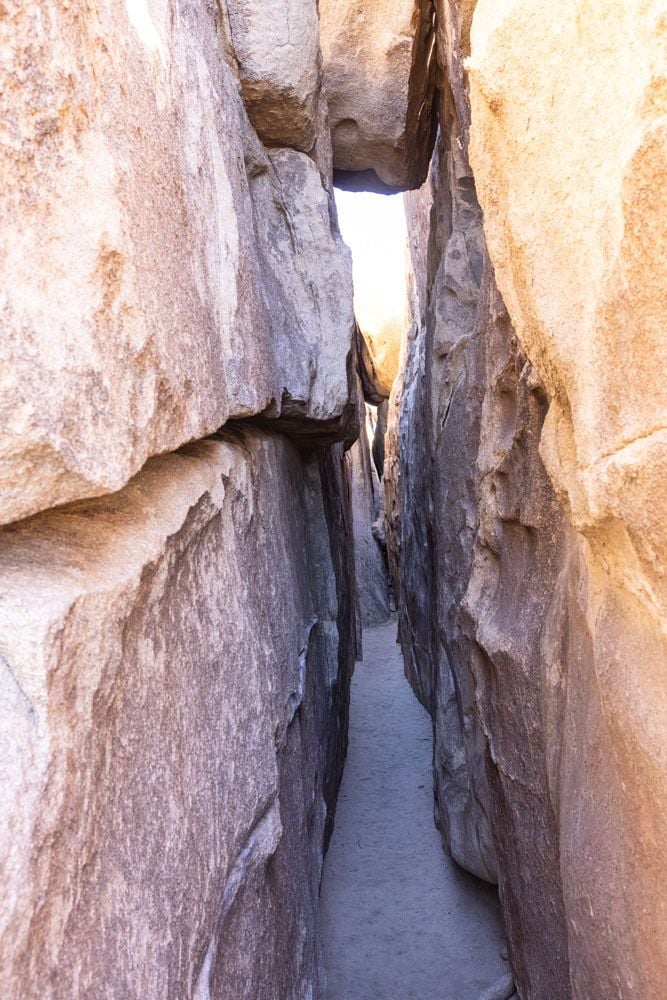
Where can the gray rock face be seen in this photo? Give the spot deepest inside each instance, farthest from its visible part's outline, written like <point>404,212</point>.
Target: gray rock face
<point>526,613</point>
<point>370,563</point>
<point>439,438</point>
<point>174,687</point>
<point>162,272</point>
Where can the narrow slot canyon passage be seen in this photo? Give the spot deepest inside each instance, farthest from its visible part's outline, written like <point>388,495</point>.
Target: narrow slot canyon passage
<point>399,919</point>
<point>333,465</point>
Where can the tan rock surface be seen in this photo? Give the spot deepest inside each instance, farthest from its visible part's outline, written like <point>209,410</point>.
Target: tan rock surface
<point>569,149</point>
<point>161,272</point>
<point>576,219</point>
<point>277,45</point>
<point>173,695</point>
<point>379,74</point>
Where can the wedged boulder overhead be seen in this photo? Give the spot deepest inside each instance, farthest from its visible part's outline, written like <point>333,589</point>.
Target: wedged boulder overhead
<point>379,72</point>
<point>277,45</point>
<point>175,661</point>
<point>145,232</point>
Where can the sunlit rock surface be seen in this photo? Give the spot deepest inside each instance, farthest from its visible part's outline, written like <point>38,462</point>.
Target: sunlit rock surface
<point>277,45</point>
<point>374,228</point>
<point>533,542</point>
<point>161,271</point>
<point>174,670</point>
<point>379,75</point>
<point>577,228</point>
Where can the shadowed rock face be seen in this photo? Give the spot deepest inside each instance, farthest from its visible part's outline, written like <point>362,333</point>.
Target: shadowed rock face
<point>175,667</point>
<point>528,554</point>
<point>370,562</point>
<point>162,271</point>
<point>379,76</point>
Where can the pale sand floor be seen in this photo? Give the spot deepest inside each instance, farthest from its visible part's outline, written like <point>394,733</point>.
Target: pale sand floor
<point>399,919</point>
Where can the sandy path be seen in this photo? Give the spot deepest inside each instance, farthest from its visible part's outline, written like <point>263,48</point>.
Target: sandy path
<point>399,919</point>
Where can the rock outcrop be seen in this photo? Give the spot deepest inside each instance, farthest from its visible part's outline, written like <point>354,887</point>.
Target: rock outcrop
<point>525,473</point>
<point>175,665</point>
<point>162,271</point>
<point>379,76</point>
<point>178,618</point>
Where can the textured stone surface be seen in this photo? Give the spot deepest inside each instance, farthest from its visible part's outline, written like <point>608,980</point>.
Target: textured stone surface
<point>277,45</point>
<point>379,75</point>
<point>576,222</point>
<point>436,433</point>
<point>161,271</point>
<point>370,563</point>
<point>534,444</point>
<point>587,299</point>
<point>174,698</point>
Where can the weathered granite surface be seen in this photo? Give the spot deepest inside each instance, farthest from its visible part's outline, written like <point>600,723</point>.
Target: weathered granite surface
<point>162,272</point>
<point>175,662</point>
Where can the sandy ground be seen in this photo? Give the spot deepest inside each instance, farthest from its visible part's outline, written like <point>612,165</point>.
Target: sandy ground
<point>399,919</point>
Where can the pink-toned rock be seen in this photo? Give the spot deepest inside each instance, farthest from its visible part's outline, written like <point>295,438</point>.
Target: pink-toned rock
<point>161,271</point>
<point>175,661</point>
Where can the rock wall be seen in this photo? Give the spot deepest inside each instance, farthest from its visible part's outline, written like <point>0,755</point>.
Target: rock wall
<point>369,552</point>
<point>174,686</point>
<point>526,465</point>
<point>162,271</point>
<point>177,595</point>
